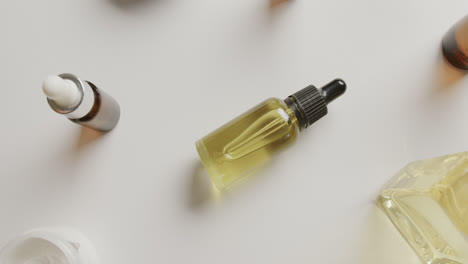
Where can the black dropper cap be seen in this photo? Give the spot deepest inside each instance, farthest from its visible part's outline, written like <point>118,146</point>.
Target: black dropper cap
<point>310,103</point>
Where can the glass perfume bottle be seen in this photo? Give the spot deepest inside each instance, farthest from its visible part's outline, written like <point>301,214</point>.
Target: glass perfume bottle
<point>428,203</point>
<point>455,45</point>
<point>245,143</point>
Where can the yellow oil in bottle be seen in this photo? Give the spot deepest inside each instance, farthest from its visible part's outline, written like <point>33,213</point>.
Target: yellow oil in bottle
<point>244,144</point>
<point>428,202</point>
<point>248,141</point>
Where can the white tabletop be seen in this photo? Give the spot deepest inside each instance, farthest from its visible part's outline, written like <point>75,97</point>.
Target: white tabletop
<point>180,69</point>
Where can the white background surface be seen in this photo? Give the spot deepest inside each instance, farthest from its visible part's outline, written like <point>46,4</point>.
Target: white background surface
<point>182,68</point>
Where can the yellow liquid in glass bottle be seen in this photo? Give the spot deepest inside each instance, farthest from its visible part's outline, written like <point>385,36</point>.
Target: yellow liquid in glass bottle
<point>245,143</point>
<point>428,202</point>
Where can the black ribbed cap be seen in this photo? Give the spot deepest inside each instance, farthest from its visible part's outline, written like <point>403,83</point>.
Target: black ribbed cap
<point>310,103</point>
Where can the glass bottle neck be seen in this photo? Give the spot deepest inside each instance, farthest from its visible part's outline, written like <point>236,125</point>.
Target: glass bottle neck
<point>297,113</point>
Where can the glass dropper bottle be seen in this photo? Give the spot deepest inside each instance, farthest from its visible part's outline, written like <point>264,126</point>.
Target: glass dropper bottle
<point>81,101</point>
<point>248,141</point>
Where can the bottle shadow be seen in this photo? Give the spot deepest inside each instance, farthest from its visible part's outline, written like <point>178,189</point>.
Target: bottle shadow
<point>66,160</point>
<point>384,240</point>
<point>201,190</point>
<point>88,136</point>
<point>276,3</point>
<point>445,75</point>
<point>376,239</point>
<point>130,4</point>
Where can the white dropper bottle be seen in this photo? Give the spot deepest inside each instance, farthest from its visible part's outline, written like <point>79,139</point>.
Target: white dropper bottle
<point>81,101</point>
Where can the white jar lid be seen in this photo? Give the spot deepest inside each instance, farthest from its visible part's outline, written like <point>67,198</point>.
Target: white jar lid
<point>49,246</point>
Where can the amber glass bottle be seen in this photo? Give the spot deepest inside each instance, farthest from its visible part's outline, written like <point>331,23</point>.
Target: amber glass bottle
<point>243,144</point>
<point>455,44</point>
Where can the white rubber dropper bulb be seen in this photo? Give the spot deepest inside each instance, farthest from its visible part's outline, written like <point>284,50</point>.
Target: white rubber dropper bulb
<point>63,92</point>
